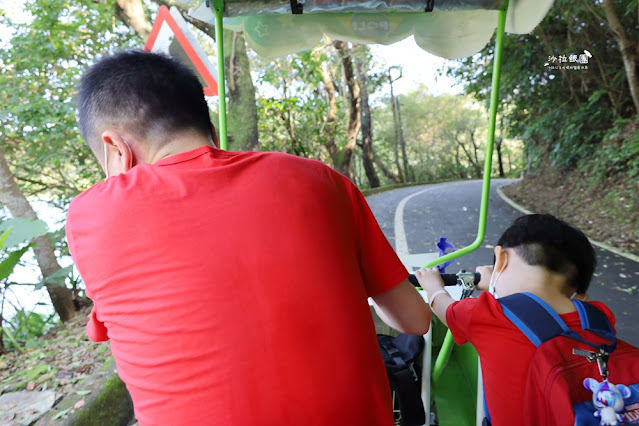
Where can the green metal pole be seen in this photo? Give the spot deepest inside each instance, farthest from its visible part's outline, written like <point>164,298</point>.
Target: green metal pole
<point>447,346</point>
<point>218,8</point>
<point>442,357</point>
<point>494,101</point>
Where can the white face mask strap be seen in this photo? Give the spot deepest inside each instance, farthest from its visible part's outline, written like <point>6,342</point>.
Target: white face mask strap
<point>491,285</point>
<point>573,295</point>
<point>106,165</point>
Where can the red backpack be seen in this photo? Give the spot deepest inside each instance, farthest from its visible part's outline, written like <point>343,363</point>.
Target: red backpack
<point>585,377</point>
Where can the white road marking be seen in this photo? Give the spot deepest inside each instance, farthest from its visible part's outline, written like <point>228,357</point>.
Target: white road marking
<point>401,245</point>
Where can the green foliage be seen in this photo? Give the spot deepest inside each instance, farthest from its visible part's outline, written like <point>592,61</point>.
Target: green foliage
<point>618,154</point>
<point>292,107</point>
<point>58,277</point>
<point>563,115</point>
<point>3,237</point>
<point>9,263</point>
<point>16,232</point>
<point>22,230</point>
<point>25,326</point>
<point>445,136</point>
<point>52,44</point>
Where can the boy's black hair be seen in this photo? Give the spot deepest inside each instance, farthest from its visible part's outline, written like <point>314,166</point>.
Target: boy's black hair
<point>141,91</point>
<point>544,240</point>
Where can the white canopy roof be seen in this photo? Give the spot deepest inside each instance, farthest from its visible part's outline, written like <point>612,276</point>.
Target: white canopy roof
<point>454,29</point>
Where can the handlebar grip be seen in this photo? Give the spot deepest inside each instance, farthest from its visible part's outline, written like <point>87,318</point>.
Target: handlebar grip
<point>449,279</point>
<point>413,280</point>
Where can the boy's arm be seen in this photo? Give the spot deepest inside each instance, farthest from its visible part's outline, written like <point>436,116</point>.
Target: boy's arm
<point>438,297</point>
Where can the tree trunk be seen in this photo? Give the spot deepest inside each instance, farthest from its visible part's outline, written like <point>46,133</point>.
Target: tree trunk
<point>498,143</point>
<point>476,164</point>
<point>385,171</point>
<point>367,127</point>
<point>500,161</point>
<point>330,122</point>
<point>354,118</point>
<point>14,200</point>
<point>469,156</point>
<point>242,105</point>
<point>132,14</point>
<point>627,49</point>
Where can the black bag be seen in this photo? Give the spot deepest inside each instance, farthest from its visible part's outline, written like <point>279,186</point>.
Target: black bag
<point>401,355</point>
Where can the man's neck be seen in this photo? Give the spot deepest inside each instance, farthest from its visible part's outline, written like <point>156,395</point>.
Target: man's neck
<point>177,144</point>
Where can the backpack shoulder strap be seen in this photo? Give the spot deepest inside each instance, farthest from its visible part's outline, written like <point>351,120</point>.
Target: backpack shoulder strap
<point>533,317</point>
<point>540,323</point>
<point>592,319</point>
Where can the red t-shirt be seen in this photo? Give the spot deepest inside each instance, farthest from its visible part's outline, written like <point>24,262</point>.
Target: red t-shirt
<point>234,286</point>
<point>504,351</point>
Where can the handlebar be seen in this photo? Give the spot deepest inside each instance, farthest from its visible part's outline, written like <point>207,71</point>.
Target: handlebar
<point>449,279</point>
<point>466,280</point>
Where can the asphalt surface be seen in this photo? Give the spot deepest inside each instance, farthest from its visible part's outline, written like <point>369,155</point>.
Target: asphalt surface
<point>451,210</point>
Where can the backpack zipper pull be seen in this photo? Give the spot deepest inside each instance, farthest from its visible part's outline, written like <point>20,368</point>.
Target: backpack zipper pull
<point>601,357</point>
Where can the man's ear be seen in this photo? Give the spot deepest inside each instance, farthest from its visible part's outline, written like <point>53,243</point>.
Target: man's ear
<point>120,157</point>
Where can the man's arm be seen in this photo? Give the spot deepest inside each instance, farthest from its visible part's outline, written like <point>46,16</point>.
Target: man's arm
<point>403,308</point>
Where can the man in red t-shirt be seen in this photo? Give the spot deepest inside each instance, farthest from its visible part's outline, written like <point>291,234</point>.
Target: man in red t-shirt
<point>233,286</point>
<point>539,254</point>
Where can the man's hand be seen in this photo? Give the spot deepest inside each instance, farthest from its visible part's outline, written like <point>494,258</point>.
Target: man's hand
<point>486,272</point>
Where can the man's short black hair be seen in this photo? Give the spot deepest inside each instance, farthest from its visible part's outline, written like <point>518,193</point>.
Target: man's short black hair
<point>544,240</point>
<point>141,92</point>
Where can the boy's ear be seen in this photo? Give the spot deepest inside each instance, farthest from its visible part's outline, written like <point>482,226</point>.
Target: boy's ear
<point>501,259</point>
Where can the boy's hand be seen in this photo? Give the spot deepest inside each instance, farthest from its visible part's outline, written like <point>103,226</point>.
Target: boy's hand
<point>430,280</point>
<point>486,272</point>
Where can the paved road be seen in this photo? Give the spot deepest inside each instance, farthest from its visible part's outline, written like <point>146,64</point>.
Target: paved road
<point>451,210</point>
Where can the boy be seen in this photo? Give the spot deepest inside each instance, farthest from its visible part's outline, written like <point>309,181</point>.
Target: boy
<point>539,254</point>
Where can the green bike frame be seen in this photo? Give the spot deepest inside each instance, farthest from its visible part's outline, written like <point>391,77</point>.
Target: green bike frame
<point>218,8</point>
<point>483,209</point>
